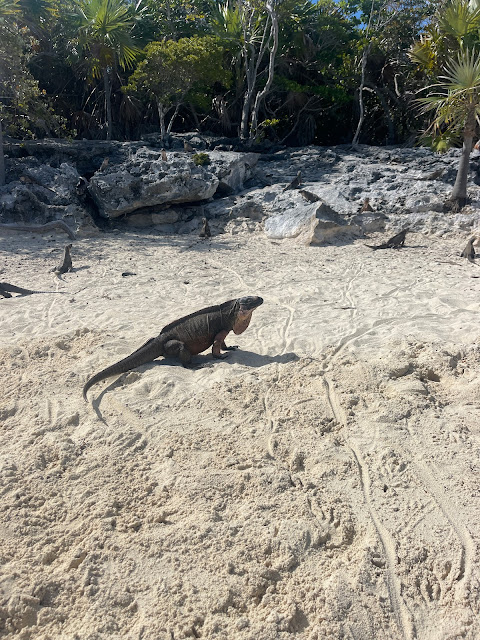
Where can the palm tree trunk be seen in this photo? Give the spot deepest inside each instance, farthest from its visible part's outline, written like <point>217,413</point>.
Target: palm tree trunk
<point>108,101</point>
<point>458,196</point>
<point>2,158</point>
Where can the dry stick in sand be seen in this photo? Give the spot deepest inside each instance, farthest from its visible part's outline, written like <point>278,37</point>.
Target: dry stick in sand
<point>66,265</point>
<point>188,336</point>
<point>395,242</point>
<point>55,224</point>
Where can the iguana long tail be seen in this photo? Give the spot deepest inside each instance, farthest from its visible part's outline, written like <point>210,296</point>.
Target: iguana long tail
<point>152,349</point>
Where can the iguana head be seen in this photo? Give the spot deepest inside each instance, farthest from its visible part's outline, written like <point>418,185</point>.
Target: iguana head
<point>245,307</point>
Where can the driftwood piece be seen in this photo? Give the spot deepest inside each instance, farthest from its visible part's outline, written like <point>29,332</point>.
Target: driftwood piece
<point>56,224</point>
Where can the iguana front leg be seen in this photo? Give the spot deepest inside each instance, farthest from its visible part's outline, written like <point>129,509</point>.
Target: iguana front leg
<point>219,345</point>
<point>232,347</point>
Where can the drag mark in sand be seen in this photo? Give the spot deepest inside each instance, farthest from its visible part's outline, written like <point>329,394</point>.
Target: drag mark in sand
<point>402,614</point>
<point>452,515</point>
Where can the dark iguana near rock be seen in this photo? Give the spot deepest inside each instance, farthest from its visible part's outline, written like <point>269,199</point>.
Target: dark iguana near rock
<point>366,206</point>
<point>308,195</point>
<point>205,231</point>
<point>66,265</point>
<point>295,183</point>
<point>188,336</point>
<point>469,251</point>
<point>395,242</point>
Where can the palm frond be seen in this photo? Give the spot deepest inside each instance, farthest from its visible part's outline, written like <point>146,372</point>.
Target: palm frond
<point>459,18</point>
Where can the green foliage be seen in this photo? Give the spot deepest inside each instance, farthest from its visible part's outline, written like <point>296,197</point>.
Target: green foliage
<point>171,70</point>
<point>455,97</point>
<point>440,142</point>
<point>457,94</point>
<point>24,108</point>
<point>201,159</point>
<point>104,34</point>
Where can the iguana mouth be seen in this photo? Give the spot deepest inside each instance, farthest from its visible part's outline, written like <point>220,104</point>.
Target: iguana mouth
<point>249,303</point>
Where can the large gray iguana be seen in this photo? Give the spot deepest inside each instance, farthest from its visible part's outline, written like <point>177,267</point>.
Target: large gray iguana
<point>188,336</point>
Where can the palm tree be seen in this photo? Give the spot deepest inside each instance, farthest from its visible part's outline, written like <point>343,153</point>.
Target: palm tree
<point>449,45</point>
<point>456,106</point>
<point>104,35</point>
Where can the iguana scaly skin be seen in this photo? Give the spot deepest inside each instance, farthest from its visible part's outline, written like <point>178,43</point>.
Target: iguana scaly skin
<point>394,243</point>
<point>188,336</point>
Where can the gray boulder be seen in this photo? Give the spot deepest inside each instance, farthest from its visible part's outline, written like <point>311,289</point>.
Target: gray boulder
<point>145,180</point>
<point>314,223</point>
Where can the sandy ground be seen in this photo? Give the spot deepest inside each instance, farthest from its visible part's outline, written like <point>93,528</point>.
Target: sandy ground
<point>323,482</point>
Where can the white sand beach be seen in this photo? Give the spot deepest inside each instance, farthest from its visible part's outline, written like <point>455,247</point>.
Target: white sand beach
<point>322,482</point>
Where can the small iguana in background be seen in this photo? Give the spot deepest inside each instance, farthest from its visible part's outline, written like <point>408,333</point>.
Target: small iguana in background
<point>205,231</point>
<point>189,336</point>
<point>66,265</point>
<point>295,183</point>
<point>469,251</point>
<point>366,206</point>
<point>395,242</point>
<point>6,290</point>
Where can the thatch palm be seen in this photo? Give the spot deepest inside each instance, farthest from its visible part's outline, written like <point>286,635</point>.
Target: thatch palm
<point>456,104</point>
<point>105,35</point>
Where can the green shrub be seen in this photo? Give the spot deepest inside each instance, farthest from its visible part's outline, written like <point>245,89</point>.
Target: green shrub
<point>201,159</point>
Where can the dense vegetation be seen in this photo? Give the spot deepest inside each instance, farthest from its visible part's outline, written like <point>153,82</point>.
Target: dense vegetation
<point>286,70</point>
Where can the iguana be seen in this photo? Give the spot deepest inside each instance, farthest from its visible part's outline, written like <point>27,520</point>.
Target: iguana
<point>366,206</point>
<point>7,289</point>
<point>295,183</point>
<point>469,251</point>
<point>66,265</point>
<point>308,195</point>
<point>188,336</point>
<point>394,243</point>
<point>205,231</point>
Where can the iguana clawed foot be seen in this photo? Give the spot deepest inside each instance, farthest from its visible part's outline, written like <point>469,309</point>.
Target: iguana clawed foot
<point>234,347</point>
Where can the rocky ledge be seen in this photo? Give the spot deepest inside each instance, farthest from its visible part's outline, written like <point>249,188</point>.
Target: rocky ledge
<point>144,185</point>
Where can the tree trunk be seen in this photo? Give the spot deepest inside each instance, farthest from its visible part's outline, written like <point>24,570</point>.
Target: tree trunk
<point>175,113</point>
<point>247,100</point>
<point>2,158</point>
<point>161,116</point>
<point>365,53</point>
<point>271,66</point>
<point>108,100</point>
<point>458,196</point>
